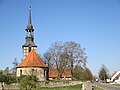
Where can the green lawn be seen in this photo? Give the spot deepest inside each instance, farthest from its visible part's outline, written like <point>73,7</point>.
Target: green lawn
<point>96,88</point>
<point>77,87</point>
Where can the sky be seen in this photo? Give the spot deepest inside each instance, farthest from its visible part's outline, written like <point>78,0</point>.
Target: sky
<point>94,24</point>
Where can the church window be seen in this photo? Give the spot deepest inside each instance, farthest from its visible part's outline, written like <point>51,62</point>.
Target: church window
<point>29,49</point>
<point>20,72</point>
<point>32,71</point>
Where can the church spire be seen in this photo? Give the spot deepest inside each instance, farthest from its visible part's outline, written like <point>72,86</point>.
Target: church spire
<point>29,19</point>
<point>29,25</point>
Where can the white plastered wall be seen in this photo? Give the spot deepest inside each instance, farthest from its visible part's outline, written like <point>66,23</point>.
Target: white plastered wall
<point>39,72</point>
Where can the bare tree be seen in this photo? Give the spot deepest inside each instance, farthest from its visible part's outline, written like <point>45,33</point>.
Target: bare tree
<point>66,55</point>
<point>65,60</point>
<point>76,54</point>
<point>6,71</point>
<point>47,57</point>
<point>15,63</point>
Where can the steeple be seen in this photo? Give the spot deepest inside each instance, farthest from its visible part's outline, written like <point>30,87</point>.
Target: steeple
<point>29,44</point>
<point>29,28</point>
<point>29,25</point>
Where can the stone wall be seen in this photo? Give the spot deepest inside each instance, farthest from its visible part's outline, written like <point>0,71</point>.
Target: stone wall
<point>58,84</point>
<point>15,86</point>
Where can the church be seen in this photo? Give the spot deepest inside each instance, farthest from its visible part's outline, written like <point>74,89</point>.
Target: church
<point>32,64</point>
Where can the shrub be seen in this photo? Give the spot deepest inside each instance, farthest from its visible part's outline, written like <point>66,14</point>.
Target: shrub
<point>27,82</point>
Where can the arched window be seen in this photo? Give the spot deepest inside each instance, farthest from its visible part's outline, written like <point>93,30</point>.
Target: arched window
<point>29,49</point>
<point>32,71</point>
<point>20,72</point>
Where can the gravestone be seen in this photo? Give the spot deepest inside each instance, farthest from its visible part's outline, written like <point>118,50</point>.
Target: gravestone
<point>87,86</point>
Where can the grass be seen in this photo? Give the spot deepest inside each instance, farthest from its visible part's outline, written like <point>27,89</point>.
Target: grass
<point>76,87</point>
<point>116,84</point>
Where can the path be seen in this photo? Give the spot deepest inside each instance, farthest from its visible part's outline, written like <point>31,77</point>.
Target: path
<point>107,86</point>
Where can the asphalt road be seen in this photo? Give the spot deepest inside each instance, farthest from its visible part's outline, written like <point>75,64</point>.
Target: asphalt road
<point>107,86</point>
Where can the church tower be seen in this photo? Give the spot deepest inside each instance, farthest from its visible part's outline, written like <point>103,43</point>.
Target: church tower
<point>29,44</point>
<point>31,64</point>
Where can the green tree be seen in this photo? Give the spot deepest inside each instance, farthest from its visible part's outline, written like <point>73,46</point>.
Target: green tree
<point>1,71</point>
<point>7,79</point>
<point>77,72</point>
<point>87,75</point>
<point>11,79</point>
<point>6,71</point>
<point>82,73</point>
<point>103,73</point>
<point>3,79</point>
<point>27,82</point>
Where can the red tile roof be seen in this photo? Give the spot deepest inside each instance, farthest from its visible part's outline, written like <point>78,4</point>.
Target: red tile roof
<point>65,73</point>
<point>32,60</point>
<point>52,73</point>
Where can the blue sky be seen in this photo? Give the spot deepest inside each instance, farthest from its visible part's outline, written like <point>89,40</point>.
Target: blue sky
<point>95,24</point>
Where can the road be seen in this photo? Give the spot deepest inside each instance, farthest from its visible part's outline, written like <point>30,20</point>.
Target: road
<point>107,86</point>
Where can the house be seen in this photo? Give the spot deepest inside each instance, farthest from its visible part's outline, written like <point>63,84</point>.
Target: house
<point>65,74</point>
<point>116,77</point>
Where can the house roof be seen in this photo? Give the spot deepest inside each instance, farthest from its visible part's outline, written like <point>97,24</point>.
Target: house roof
<point>53,73</point>
<point>32,60</point>
<point>65,73</point>
<point>115,75</point>
<point>29,42</point>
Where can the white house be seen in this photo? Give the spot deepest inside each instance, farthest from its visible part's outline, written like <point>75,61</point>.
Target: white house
<point>116,77</point>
